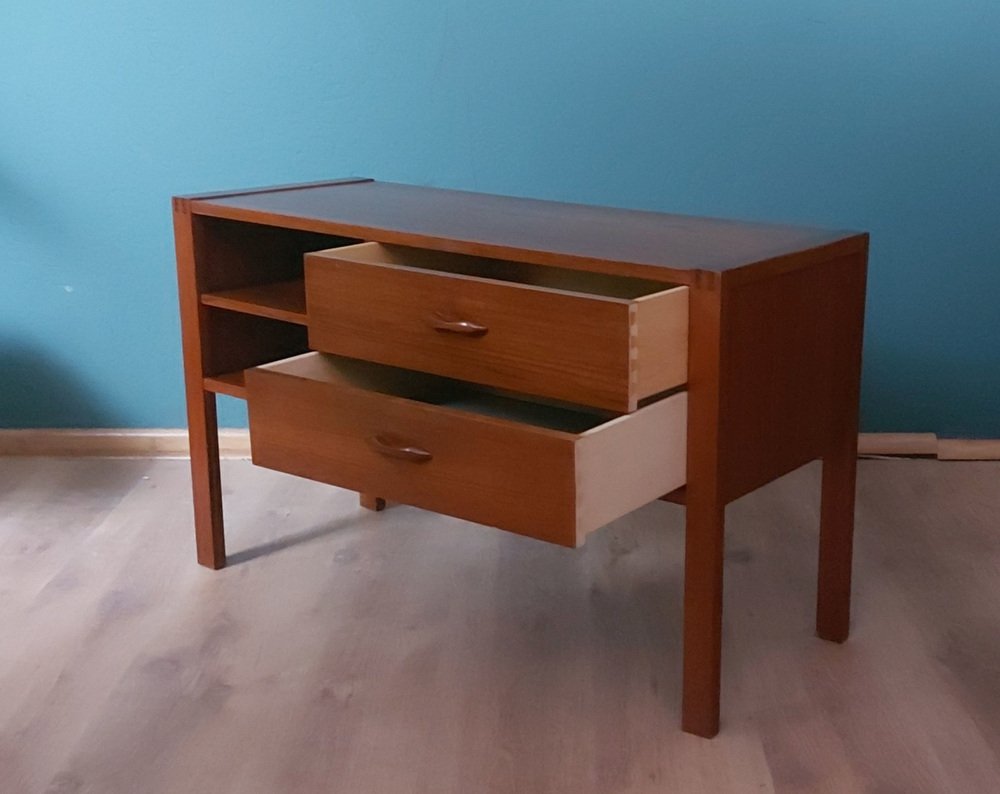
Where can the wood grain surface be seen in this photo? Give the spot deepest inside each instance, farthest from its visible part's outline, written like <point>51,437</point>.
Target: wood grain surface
<point>791,366</point>
<point>553,474</point>
<point>231,254</point>
<point>348,651</point>
<point>570,345</point>
<point>284,300</point>
<point>627,242</point>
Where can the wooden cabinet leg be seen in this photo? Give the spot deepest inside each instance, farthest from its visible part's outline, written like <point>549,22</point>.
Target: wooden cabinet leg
<point>203,426</point>
<point>703,565</point>
<point>836,541</point>
<point>206,481</point>
<point>706,512</point>
<point>372,502</point>
<point>840,466</point>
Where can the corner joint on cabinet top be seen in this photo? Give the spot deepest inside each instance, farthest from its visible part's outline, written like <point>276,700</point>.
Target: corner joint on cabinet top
<point>706,279</point>
<point>866,242</point>
<point>181,205</point>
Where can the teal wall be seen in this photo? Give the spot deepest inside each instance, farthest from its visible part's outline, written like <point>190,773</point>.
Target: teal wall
<point>878,116</point>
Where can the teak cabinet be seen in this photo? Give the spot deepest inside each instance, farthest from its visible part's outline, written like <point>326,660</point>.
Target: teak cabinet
<point>540,367</point>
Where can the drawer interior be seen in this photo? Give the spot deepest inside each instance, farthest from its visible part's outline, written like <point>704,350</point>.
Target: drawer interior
<point>436,390</point>
<point>580,281</point>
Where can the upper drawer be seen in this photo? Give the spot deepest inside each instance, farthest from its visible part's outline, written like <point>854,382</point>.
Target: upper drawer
<point>587,338</point>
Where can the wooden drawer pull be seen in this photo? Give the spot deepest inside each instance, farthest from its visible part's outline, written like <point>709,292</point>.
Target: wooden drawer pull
<point>394,447</point>
<point>460,327</point>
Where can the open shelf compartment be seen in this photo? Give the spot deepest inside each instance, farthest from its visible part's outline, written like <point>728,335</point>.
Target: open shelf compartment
<point>282,300</point>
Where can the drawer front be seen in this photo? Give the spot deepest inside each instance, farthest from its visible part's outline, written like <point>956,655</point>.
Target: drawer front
<point>581,348</point>
<point>550,484</point>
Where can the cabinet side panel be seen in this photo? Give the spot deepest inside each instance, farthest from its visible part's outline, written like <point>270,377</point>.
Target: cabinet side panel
<point>559,345</point>
<point>790,369</point>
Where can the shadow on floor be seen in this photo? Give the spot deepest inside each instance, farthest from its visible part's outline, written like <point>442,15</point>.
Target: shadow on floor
<point>295,539</point>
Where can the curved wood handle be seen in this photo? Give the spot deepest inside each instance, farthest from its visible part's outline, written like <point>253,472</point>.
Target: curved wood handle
<point>394,447</point>
<point>460,327</point>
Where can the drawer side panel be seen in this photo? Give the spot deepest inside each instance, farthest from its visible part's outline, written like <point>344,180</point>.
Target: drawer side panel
<point>630,462</point>
<point>661,342</point>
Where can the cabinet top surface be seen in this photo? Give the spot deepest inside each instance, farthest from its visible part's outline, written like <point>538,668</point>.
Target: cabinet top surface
<point>532,229</point>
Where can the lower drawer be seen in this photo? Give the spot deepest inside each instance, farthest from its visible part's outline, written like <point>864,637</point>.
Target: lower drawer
<point>551,473</point>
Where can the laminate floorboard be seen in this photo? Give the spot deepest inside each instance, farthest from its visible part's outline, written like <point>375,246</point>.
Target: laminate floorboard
<point>402,652</point>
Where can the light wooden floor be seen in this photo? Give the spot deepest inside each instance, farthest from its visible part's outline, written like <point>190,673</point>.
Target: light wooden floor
<point>348,651</point>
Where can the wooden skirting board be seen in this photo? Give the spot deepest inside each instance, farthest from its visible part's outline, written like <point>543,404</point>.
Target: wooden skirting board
<point>115,443</point>
<point>968,449</point>
<point>927,445</point>
<point>143,443</point>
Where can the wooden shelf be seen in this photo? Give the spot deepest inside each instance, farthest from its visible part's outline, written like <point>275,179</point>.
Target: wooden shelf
<point>283,300</point>
<point>231,383</point>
